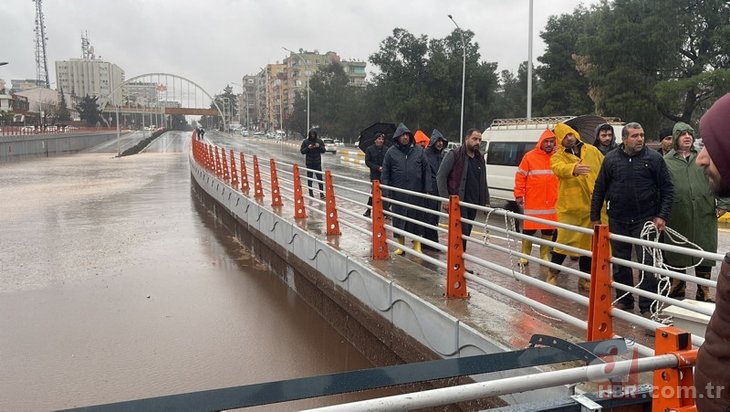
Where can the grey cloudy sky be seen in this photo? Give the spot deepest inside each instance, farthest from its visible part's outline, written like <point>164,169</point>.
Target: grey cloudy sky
<point>215,42</point>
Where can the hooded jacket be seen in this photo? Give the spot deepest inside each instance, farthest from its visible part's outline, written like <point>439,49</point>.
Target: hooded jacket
<point>405,167</point>
<point>711,370</point>
<point>434,157</point>
<point>693,205</point>
<point>312,156</point>
<point>635,187</point>
<point>536,183</point>
<point>597,142</point>
<point>574,192</point>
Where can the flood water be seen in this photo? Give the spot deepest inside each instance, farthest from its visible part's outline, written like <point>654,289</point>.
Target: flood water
<point>117,285</point>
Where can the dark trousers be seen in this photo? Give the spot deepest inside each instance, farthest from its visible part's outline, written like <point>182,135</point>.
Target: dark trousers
<point>431,219</point>
<point>584,262</point>
<point>467,213</point>
<point>311,174</point>
<point>625,275</point>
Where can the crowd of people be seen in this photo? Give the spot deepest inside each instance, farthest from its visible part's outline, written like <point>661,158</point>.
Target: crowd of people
<point>629,186</point>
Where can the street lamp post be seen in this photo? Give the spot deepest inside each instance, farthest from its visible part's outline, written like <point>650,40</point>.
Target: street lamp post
<point>301,60</point>
<point>463,72</point>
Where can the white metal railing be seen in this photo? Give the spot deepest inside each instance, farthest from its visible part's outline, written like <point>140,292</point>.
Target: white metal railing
<point>350,192</point>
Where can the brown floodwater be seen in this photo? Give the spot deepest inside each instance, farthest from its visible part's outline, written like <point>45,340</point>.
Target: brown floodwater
<point>117,285</point>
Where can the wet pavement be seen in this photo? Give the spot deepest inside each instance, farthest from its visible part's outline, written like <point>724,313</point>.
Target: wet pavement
<point>116,285</point>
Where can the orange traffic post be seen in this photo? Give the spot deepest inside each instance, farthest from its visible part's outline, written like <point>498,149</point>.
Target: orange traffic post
<point>244,175</point>
<point>209,157</point>
<point>234,172</point>
<point>224,164</point>
<point>455,281</point>
<point>218,168</point>
<point>674,388</point>
<point>300,212</point>
<point>600,322</point>
<point>380,246</point>
<point>333,224</point>
<point>258,190</point>
<point>275,194</point>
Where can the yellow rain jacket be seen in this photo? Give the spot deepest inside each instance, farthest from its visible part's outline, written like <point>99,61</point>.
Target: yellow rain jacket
<point>574,192</point>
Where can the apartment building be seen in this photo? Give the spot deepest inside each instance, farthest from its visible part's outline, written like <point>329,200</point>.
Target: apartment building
<point>93,77</point>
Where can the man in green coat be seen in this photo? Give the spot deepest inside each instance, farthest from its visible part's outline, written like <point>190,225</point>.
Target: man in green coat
<point>694,210</point>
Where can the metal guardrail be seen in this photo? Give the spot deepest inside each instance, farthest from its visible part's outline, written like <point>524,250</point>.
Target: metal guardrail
<point>215,160</point>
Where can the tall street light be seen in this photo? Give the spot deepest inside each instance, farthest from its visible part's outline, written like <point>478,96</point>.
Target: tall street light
<point>463,72</point>
<point>301,60</point>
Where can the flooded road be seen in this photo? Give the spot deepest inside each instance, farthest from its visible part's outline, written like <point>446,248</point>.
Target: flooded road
<point>117,285</point>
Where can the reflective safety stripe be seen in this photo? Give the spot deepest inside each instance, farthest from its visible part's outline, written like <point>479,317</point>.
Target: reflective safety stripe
<point>539,212</point>
<point>522,172</point>
<point>541,172</point>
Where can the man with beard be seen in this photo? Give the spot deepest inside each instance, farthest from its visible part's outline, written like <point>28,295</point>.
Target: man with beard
<point>636,185</point>
<point>463,173</point>
<point>712,371</point>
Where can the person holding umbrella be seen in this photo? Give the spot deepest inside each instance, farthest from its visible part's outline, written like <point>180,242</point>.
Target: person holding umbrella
<point>374,156</point>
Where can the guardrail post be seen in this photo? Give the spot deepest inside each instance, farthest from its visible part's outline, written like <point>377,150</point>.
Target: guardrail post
<point>234,172</point>
<point>600,322</point>
<point>380,246</point>
<point>209,159</point>
<point>674,388</point>
<point>300,212</point>
<point>333,224</point>
<point>258,191</point>
<point>275,194</point>
<point>218,168</point>
<point>455,281</point>
<point>244,175</point>
<point>224,166</point>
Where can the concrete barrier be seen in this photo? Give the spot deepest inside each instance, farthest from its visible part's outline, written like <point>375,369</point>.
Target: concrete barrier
<point>45,145</point>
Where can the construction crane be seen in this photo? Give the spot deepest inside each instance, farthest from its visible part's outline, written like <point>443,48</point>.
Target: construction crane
<point>41,60</point>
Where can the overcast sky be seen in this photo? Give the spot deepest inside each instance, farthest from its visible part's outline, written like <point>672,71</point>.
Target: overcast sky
<point>215,42</point>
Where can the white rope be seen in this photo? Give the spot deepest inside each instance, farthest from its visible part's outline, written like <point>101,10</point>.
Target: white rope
<point>664,283</point>
<point>509,224</point>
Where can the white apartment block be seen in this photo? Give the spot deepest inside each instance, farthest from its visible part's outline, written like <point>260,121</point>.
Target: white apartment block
<point>80,77</point>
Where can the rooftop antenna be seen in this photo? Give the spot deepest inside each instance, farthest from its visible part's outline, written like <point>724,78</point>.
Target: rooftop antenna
<point>41,61</point>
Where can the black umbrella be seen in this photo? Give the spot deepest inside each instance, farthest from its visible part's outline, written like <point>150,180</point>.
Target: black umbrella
<point>586,125</point>
<point>367,135</point>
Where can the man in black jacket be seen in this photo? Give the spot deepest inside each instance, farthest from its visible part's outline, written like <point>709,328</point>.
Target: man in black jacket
<point>312,148</point>
<point>636,185</point>
<point>374,161</point>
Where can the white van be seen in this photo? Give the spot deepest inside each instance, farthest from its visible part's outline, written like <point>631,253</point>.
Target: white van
<point>507,141</point>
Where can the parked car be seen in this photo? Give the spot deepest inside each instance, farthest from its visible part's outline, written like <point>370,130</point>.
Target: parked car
<point>330,146</point>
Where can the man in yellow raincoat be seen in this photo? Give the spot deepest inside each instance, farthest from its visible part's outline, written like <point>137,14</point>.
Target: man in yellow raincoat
<point>576,166</point>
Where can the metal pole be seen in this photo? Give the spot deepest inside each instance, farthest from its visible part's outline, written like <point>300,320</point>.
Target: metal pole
<point>301,60</point>
<point>463,74</point>
<point>449,395</point>
<point>529,65</point>
<point>118,133</point>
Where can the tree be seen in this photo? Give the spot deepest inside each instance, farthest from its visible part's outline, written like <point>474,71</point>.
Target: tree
<point>63,114</point>
<point>89,111</point>
<point>563,90</point>
<point>657,61</point>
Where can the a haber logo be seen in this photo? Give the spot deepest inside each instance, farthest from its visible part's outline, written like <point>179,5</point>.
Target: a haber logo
<point>624,376</point>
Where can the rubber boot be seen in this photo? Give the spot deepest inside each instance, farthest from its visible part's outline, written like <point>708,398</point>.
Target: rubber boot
<point>526,249</point>
<point>545,249</point>
<point>677,289</point>
<point>402,241</point>
<point>552,276</point>
<point>703,292</point>
<point>417,246</point>
<point>584,284</point>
